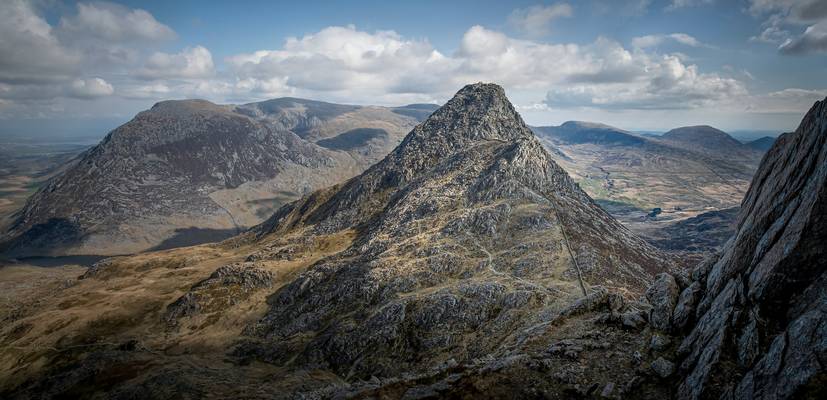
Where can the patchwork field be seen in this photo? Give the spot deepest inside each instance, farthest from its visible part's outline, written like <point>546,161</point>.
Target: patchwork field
<point>26,166</point>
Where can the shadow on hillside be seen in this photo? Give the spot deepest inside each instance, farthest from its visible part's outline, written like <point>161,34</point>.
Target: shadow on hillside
<point>193,236</point>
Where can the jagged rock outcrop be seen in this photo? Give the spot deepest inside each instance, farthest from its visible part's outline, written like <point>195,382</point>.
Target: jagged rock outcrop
<point>223,288</point>
<point>467,235</point>
<point>662,295</point>
<point>190,171</point>
<point>755,316</point>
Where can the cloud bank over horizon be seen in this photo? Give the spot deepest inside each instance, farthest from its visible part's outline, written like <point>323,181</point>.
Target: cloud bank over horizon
<point>126,57</point>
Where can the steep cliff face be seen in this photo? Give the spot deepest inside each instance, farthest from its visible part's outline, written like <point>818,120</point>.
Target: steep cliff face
<point>758,329</point>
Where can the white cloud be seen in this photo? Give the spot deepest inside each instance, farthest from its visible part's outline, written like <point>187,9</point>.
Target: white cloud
<point>191,63</point>
<point>667,84</point>
<point>90,88</point>
<point>622,8</point>
<point>72,61</point>
<point>535,21</point>
<point>114,23</point>
<point>795,11</point>
<point>785,15</point>
<point>339,59</point>
<point>656,40</point>
<point>813,40</point>
<point>151,91</point>
<point>793,100</point>
<point>29,50</point>
<point>384,67</point>
<point>40,62</point>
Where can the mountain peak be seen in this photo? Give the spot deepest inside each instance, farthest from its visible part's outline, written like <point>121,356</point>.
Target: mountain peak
<point>697,132</point>
<point>703,136</point>
<point>479,112</point>
<point>589,125</point>
<point>187,106</point>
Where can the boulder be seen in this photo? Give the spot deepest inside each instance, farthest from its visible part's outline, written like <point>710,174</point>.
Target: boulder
<point>662,367</point>
<point>662,295</point>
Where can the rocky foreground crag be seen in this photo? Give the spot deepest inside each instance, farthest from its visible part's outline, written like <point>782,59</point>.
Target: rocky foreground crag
<point>757,313</point>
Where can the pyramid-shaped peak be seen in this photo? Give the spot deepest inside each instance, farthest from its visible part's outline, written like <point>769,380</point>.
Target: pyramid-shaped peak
<point>478,112</point>
<point>482,91</point>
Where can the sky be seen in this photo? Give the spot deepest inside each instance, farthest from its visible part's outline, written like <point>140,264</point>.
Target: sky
<point>82,68</point>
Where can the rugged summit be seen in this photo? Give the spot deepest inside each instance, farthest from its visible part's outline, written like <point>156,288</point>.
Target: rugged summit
<point>190,171</point>
<point>466,235</point>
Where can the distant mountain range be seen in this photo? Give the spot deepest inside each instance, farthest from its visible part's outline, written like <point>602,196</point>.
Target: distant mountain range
<point>187,172</point>
<point>684,173</point>
<point>190,171</point>
<point>711,141</point>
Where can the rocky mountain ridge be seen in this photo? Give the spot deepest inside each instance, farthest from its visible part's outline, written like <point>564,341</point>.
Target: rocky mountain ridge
<point>469,215</point>
<point>463,245</point>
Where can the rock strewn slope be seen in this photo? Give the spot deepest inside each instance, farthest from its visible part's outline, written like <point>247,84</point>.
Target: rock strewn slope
<point>468,234</point>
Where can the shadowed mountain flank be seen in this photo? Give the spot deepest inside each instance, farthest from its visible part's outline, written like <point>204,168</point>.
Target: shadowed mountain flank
<point>763,144</point>
<point>352,139</point>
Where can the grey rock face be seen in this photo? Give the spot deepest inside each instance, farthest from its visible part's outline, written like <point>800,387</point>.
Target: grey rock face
<point>761,330</point>
<point>685,308</point>
<point>663,295</point>
<point>633,320</point>
<point>659,342</point>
